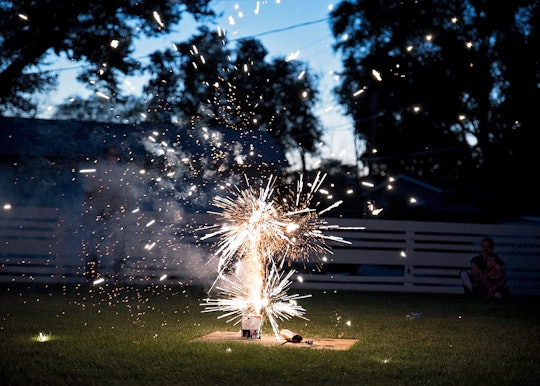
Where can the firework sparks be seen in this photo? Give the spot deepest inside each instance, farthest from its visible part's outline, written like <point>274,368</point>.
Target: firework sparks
<point>239,297</point>
<point>256,235</point>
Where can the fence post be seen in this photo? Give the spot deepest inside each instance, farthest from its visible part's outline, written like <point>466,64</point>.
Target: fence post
<point>406,255</point>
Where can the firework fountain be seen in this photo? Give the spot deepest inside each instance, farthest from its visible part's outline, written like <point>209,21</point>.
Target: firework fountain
<point>259,236</point>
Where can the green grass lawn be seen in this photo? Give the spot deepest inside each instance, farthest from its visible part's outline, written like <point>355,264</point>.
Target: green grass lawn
<point>144,336</point>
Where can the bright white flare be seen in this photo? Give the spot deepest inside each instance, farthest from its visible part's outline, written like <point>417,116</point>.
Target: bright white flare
<point>257,234</point>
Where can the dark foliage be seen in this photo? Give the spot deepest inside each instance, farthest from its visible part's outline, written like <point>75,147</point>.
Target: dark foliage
<point>83,32</point>
<point>445,91</point>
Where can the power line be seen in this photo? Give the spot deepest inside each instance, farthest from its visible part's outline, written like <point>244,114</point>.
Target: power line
<point>284,29</point>
<point>278,30</point>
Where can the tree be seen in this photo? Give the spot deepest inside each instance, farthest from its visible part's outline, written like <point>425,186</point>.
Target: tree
<point>99,33</point>
<point>443,90</point>
<point>190,82</point>
<point>280,98</point>
<point>204,82</point>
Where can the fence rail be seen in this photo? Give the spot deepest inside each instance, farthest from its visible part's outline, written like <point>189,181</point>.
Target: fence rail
<point>412,256</point>
<point>41,245</point>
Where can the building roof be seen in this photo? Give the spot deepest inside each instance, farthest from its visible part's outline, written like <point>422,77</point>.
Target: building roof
<point>40,159</point>
<point>75,139</point>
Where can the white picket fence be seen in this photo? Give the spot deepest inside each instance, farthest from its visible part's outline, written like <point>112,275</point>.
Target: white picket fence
<point>415,256</point>
<point>41,245</point>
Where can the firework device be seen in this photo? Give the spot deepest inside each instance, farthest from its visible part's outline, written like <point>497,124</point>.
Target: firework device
<point>251,326</point>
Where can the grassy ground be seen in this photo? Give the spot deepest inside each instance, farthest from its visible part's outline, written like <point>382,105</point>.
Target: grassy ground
<point>144,336</point>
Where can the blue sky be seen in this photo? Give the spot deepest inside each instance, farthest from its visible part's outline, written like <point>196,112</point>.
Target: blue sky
<point>285,27</point>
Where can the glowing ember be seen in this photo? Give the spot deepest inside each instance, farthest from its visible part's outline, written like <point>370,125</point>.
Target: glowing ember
<point>42,337</point>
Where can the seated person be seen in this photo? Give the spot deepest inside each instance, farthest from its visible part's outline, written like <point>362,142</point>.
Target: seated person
<point>482,281</point>
<point>494,278</point>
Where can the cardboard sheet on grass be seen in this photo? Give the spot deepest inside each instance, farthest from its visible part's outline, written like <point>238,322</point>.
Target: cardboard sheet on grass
<point>271,340</point>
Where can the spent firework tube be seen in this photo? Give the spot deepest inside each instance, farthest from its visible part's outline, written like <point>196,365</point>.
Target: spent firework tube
<point>290,336</point>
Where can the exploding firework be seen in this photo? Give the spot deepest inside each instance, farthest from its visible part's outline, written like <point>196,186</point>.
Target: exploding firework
<point>237,297</point>
<point>257,234</point>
